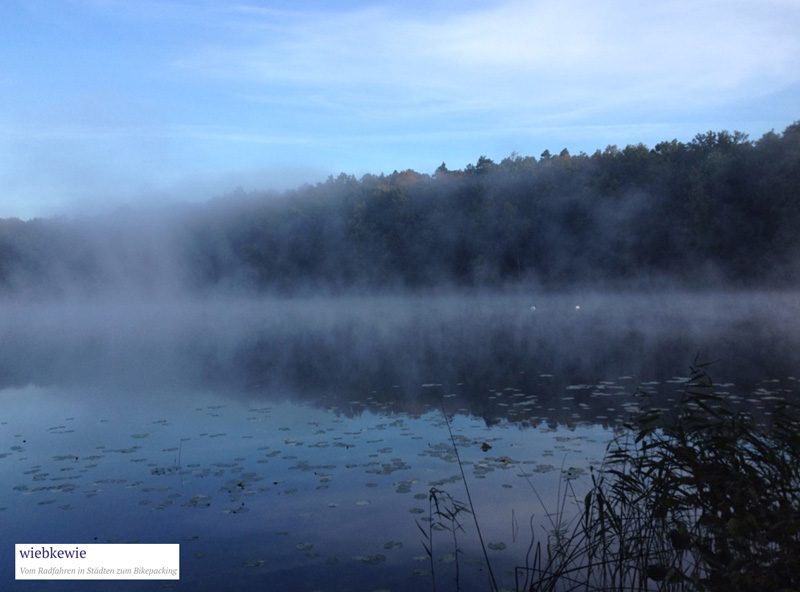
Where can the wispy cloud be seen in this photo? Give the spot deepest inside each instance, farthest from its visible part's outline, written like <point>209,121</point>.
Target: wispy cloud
<point>106,97</point>
<point>513,56</point>
<point>21,134</point>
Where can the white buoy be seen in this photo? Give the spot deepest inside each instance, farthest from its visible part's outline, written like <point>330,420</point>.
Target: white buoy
<point>533,307</point>
<point>577,307</point>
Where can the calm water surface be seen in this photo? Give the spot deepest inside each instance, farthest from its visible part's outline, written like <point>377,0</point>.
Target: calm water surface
<point>293,444</point>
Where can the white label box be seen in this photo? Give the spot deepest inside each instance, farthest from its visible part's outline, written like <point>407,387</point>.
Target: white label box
<point>45,561</point>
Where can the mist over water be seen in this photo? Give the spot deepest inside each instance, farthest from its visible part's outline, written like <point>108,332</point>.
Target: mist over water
<point>296,440</point>
<point>389,346</point>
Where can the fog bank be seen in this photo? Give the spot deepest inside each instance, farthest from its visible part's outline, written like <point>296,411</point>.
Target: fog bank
<point>718,212</point>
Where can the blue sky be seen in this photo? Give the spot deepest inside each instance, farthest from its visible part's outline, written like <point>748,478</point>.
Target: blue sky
<point>121,101</point>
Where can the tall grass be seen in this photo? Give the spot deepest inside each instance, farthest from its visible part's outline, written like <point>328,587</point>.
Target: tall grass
<point>696,498</point>
<point>444,513</point>
<point>492,580</point>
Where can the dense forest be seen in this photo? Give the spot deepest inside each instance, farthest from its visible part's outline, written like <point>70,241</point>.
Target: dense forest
<point>721,210</point>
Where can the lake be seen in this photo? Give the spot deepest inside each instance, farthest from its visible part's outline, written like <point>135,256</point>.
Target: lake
<point>293,443</point>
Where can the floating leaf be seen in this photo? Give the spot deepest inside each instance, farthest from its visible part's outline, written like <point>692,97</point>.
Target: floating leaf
<point>370,559</point>
<point>392,545</point>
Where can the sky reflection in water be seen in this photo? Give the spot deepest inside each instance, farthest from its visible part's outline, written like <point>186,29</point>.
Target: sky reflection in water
<point>302,495</point>
<point>297,450</point>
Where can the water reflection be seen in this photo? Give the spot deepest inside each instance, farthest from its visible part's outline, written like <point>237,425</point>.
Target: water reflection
<point>503,360</point>
<point>292,494</point>
<point>294,444</point>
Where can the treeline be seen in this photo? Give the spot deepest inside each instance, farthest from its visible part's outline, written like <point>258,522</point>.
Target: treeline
<point>721,209</point>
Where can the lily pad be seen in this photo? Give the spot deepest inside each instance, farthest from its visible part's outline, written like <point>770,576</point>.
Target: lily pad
<point>370,559</point>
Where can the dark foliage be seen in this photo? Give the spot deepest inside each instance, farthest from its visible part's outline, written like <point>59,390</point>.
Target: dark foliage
<point>720,205</point>
<point>702,498</point>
